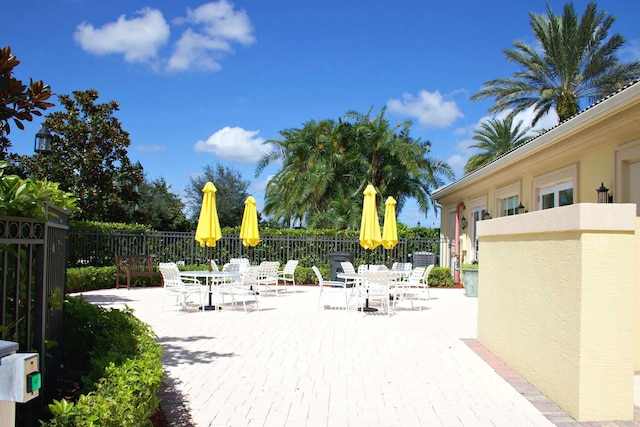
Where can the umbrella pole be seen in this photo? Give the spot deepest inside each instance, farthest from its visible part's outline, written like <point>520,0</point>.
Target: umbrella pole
<point>366,305</point>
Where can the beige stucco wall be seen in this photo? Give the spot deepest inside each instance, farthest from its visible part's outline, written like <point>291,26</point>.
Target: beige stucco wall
<point>556,301</point>
<point>636,289</point>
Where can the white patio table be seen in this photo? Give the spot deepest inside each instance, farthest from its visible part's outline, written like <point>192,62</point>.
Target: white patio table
<point>212,278</point>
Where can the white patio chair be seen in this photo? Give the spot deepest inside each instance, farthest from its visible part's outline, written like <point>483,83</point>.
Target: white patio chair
<point>376,285</point>
<point>232,267</point>
<point>242,262</point>
<point>288,273</point>
<point>213,265</point>
<point>268,275</point>
<point>332,284</point>
<point>244,287</point>
<point>401,266</point>
<point>348,268</point>
<point>418,288</point>
<point>401,288</point>
<point>180,287</point>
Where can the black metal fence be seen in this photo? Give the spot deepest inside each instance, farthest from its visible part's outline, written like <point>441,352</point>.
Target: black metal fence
<point>33,261</point>
<point>98,248</point>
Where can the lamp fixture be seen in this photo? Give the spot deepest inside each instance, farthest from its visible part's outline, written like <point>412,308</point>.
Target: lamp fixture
<point>463,223</point>
<point>603,194</point>
<point>42,143</point>
<point>520,209</point>
<point>486,215</point>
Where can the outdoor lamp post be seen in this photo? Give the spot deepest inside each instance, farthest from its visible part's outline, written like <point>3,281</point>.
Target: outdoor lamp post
<point>603,194</point>
<point>42,142</point>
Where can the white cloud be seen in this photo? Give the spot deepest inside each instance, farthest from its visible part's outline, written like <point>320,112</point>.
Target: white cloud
<point>630,51</point>
<point>222,22</point>
<point>191,52</point>
<point>463,150</point>
<point>211,30</point>
<point>547,121</point>
<point>217,26</point>
<point>235,144</point>
<point>151,148</point>
<point>457,162</point>
<point>430,108</point>
<point>138,38</point>
<point>260,186</point>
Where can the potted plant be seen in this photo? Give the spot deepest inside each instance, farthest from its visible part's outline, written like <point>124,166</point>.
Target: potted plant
<point>470,278</point>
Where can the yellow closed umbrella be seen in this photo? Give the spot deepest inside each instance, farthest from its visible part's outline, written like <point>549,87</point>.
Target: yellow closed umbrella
<point>370,225</point>
<point>390,231</point>
<point>249,230</point>
<point>208,230</point>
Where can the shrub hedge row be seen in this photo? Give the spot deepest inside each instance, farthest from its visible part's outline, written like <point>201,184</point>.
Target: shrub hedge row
<point>91,278</point>
<point>122,366</point>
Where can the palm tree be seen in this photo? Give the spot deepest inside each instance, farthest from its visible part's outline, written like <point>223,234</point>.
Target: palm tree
<point>576,61</point>
<point>495,138</point>
<point>394,162</point>
<point>326,165</point>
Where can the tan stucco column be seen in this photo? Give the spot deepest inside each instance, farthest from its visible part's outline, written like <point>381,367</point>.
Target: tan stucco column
<point>556,303</point>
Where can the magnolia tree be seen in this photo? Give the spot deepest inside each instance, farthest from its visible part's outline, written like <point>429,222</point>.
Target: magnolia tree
<point>18,102</point>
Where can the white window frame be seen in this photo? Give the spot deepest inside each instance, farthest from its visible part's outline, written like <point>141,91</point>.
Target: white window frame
<point>511,200</point>
<point>476,205</point>
<point>476,215</point>
<point>625,155</point>
<point>565,175</point>
<point>555,190</point>
<point>503,193</point>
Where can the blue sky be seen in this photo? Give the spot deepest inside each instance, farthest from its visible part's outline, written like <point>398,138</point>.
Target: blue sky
<point>200,83</point>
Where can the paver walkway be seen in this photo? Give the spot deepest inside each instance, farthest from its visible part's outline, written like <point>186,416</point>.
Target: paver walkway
<point>291,364</point>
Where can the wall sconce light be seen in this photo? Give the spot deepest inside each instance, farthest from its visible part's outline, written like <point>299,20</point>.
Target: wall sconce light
<point>486,215</point>
<point>42,143</point>
<point>463,223</point>
<point>520,209</point>
<point>603,194</point>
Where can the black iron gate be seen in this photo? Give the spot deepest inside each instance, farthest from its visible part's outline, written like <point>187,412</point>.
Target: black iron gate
<point>33,256</point>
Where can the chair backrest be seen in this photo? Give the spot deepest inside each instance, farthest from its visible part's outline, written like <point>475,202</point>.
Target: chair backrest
<point>318,275</point>
<point>250,276</point>
<point>425,278</point>
<point>268,269</point>
<point>170,274</point>
<point>378,267</point>
<point>232,267</point>
<point>242,262</point>
<point>290,266</point>
<point>347,267</point>
<point>401,266</point>
<point>417,274</point>
<point>362,268</point>
<point>214,266</point>
<point>378,278</point>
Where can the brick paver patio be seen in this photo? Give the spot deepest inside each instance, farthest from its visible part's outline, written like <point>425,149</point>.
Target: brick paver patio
<point>291,364</point>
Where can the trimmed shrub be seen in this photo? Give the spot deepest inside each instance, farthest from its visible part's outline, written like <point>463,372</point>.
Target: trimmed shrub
<point>441,276</point>
<point>123,366</point>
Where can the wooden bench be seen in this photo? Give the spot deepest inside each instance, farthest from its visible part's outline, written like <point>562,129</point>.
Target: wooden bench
<point>134,266</point>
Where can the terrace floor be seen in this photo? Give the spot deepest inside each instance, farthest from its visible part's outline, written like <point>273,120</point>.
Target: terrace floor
<point>290,364</point>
